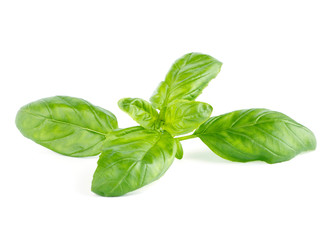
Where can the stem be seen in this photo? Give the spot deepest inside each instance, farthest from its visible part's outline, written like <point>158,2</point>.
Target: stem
<point>161,117</point>
<point>186,137</point>
<point>162,113</point>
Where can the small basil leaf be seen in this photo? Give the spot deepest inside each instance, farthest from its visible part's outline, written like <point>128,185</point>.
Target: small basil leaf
<point>133,161</point>
<point>186,79</point>
<point>66,125</point>
<point>140,110</point>
<point>179,152</point>
<point>159,96</point>
<point>256,134</point>
<point>184,116</point>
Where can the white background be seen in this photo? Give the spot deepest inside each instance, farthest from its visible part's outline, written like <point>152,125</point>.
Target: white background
<point>275,55</point>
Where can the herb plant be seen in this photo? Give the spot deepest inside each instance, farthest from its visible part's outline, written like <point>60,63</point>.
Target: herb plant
<point>133,157</point>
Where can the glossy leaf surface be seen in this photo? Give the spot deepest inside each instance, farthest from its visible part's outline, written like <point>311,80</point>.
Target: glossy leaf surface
<point>66,125</point>
<point>184,116</point>
<point>186,79</point>
<point>140,110</point>
<point>120,132</point>
<point>256,134</point>
<point>132,161</point>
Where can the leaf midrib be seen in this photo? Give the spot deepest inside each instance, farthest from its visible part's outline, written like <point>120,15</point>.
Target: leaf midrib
<point>65,123</point>
<point>139,160</point>
<point>251,125</point>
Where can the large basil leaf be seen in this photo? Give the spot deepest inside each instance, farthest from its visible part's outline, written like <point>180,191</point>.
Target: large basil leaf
<point>256,134</point>
<point>140,110</point>
<point>132,161</point>
<point>66,125</point>
<point>184,116</point>
<point>186,79</point>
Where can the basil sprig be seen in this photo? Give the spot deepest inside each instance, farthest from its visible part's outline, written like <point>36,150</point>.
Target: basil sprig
<point>134,157</point>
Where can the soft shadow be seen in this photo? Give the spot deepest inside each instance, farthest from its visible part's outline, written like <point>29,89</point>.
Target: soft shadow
<point>83,183</point>
<point>210,157</point>
<point>207,156</point>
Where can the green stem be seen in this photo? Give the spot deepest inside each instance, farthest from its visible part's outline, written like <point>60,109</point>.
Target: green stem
<point>186,137</point>
<point>162,113</point>
<point>161,118</point>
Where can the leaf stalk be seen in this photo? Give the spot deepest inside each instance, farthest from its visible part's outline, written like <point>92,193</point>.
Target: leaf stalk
<point>186,137</point>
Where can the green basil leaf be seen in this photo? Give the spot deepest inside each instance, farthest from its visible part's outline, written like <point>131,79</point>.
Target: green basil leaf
<point>66,125</point>
<point>159,96</point>
<point>179,152</point>
<point>140,110</point>
<point>186,79</point>
<point>119,132</point>
<point>133,161</point>
<point>256,134</point>
<point>184,116</point>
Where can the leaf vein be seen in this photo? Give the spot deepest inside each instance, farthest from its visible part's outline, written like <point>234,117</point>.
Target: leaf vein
<point>254,141</point>
<point>63,122</point>
<point>275,137</point>
<point>128,172</point>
